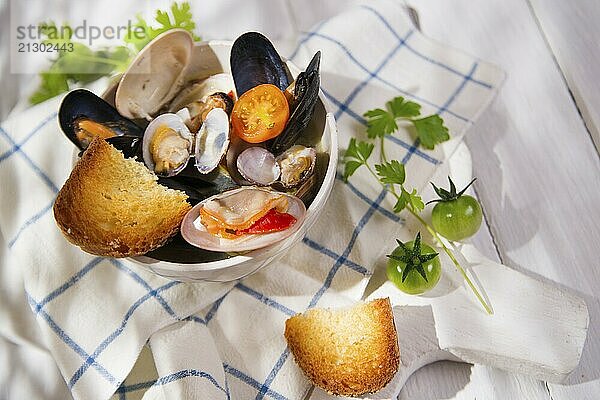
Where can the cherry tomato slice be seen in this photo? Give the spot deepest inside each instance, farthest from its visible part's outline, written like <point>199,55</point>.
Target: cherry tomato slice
<point>273,221</point>
<point>260,114</point>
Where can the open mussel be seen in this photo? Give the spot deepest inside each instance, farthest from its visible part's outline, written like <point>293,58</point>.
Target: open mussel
<point>254,61</point>
<point>83,115</point>
<point>306,94</point>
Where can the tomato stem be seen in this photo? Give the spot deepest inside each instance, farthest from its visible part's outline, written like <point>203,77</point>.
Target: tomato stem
<point>433,232</point>
<point>391,189</point>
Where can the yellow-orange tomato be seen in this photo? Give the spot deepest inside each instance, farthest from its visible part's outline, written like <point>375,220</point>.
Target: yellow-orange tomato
<point>260,114</point>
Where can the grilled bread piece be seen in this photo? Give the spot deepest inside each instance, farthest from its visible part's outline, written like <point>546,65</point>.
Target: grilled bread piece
<point>113,206</point>
<point>349,351</point>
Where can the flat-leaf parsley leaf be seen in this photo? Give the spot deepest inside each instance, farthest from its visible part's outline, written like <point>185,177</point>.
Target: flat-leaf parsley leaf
<point>430,130</point>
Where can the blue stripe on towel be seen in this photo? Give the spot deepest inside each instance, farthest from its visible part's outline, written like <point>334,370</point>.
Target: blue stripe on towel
<point>306,38</point>
<point>252,382</point>
<point>17,146</point>
<point>359,87</point>
<point>171,378</point>
<point>424,57</point>
<point>33,165</point>
<point>384,211</point>
<point>265,300</point>
<point>146,286</point>
<point>30,222</point>
<point>92,359</point>
<point>384,81</point>
<point>73,280</point>
<point>329,253</point>
<point>72,344</point>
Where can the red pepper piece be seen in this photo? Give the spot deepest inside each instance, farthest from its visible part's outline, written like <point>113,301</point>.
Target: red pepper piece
<point>273,221</point>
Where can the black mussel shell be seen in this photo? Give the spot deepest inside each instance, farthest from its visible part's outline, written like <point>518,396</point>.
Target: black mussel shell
<point>82,104</point>
<point>254,61</point>
<point>228,101</point>
<point>199,186</point>
<point>131,146</point>
<point>306,91</point>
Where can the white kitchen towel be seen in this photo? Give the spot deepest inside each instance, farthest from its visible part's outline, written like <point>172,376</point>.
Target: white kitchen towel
<point>97,314</point>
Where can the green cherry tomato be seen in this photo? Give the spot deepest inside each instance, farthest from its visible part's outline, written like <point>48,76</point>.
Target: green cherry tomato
<point>457,219</point>
<point>414,282</point>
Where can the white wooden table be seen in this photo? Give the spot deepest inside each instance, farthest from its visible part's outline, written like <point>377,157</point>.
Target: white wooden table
<point>537,167</point>
<point>534,155</point>
<point>535,145</point>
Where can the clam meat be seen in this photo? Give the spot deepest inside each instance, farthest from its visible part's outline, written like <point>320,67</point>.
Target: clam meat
<point>198,110</point>
<point>199,90</point>
<point>243,219</point>
<point>167,145</point>
<point>296,164</point>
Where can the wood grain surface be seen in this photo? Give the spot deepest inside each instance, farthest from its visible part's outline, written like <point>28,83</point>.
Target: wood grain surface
<point>536,162</point>
<point>538,169</point>
<point>571,30</point>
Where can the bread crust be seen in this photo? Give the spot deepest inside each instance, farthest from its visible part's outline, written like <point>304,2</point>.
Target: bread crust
<point>348,352</point>
<point>91,213</point>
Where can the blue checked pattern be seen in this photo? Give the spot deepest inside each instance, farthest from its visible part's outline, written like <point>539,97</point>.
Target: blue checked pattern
<point>336,264</point>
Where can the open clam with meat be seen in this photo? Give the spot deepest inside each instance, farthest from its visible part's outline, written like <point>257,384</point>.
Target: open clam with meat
<point>244,139</point>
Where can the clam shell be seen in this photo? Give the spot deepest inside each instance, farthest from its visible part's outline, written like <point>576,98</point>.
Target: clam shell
<point>212,140</point>
<point>258,166</point>
<point>194,232</point>
<point>198,90</point>
<point>292,160</point>
<point>174,122</point>
<point>155,76</point>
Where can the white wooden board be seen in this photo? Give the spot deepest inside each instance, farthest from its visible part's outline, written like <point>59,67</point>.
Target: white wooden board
<point>533,146</point>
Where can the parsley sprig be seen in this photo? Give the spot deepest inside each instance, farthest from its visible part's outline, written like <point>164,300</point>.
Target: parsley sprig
<point>80,65</point>
<point>392,174</point>
<point>430,130</point>
<point>181,17</point>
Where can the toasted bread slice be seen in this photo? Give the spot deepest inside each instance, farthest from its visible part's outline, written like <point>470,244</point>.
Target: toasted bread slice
<point>113,206</point>
<point>349,351</point>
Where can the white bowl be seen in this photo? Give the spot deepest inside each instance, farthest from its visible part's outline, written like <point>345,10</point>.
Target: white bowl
<point>209,58</point>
